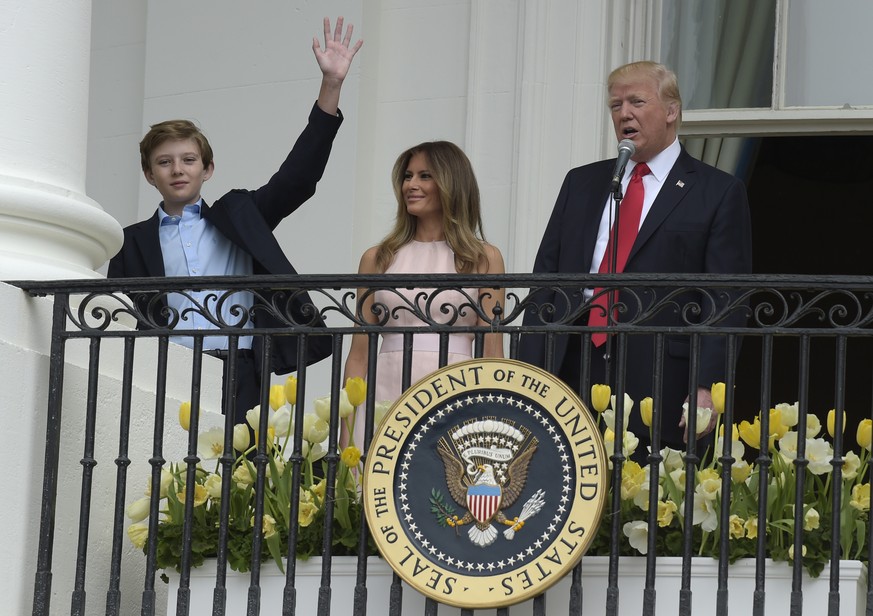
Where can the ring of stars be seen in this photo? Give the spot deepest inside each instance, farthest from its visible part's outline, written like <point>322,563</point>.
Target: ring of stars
<point>555,523</point>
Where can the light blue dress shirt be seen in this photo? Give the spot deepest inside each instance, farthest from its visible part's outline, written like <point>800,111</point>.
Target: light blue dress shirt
<point>192,246</point>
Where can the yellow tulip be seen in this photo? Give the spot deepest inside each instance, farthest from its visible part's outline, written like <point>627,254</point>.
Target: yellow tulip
<point>751,433</point>
<point>735,527</point>
<point>632,478</point>
<point>291,390</point>
<point>646,411</point>
<point>138,534</point>
<point>213,486</point>
<point>666,509</point>
<point>740,471</point>
<point>600,397</point>
<point>777,428</point>
<point>351,456</point>
<point>832,420</point>
<point>356,388</point>
<point>860,497</point>
<point>243,477</point>
<point>185,415</point>
<point>864,435</point>
<point>166,481</point>
<point>319,489</point>
<point>813,425</point>
<point>751,527</point>
<point>306,513</point>
<point>277,397</point>
<point>200,495</point>
<point>268,525</point>
<point>241,437</point>
<point>138,510</point>
<point>717,393</point>
<point>812,519</point>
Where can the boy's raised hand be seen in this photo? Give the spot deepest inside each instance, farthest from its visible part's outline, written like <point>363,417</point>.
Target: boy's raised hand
<point>336,57</point>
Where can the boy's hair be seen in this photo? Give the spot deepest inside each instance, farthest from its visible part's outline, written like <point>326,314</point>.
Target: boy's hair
<point>173,130</point>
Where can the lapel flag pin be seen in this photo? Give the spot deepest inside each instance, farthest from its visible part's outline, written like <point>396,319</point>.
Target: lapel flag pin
<point>680,183</point>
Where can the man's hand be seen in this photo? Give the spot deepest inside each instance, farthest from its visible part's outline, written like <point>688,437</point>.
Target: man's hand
<point>334,61</point>
<point>704,399</point>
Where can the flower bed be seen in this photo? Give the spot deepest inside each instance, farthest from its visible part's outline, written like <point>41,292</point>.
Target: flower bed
<point>239,486</point>
<point>737,484</point>
<point>740,482</point>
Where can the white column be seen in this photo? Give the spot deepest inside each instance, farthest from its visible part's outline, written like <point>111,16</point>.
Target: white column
<point>49,229</point>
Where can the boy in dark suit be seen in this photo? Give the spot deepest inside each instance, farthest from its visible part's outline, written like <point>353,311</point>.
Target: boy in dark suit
<point>234,236</point>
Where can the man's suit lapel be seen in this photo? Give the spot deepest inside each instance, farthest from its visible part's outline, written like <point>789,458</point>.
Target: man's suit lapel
<point>248,233</point>
<point>148,242</point>
<point>677,185</point>
<point>590,223</point>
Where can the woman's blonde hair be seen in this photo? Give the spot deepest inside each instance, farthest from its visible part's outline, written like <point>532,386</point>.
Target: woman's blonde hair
<point>459,197</point>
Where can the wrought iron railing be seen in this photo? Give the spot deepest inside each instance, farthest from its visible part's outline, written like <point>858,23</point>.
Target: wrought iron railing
<point>795,322</point>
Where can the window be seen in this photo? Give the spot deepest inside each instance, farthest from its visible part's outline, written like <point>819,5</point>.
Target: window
<point>769,67</point>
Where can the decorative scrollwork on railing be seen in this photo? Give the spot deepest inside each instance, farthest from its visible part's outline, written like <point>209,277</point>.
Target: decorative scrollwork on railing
<point>434,307</point>
<point>646,303</point>
<point>827,309</point>
<point>151,310</point>
<point>636,306</point>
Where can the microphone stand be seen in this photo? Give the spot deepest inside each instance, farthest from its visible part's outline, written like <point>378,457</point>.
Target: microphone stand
<point>612,266</point>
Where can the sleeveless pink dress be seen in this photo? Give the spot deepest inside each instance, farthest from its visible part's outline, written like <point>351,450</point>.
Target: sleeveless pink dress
<point>421,258</point>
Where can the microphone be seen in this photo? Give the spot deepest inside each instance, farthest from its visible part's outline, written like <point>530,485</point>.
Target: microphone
<point>626,149</point>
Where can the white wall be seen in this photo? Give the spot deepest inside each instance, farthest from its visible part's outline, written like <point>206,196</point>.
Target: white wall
<point>518,85</point>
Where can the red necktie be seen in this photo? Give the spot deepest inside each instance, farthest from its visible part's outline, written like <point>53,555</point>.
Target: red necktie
<point>628,226</point>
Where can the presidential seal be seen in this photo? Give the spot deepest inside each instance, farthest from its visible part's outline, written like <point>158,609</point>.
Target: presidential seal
<point>485,483</point>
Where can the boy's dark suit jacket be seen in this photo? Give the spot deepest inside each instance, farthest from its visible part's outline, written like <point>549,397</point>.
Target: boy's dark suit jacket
<point>699,223</point>
<point>248,218</point>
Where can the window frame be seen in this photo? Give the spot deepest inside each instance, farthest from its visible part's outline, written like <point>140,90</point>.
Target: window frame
<point>778,119</point>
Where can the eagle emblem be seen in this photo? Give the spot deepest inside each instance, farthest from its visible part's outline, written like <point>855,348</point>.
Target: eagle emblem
<point>486,465</point>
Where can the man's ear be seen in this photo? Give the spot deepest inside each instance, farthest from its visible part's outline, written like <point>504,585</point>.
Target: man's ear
<point>207,172</point>
<point>672,112</point>
<point>150,178</point>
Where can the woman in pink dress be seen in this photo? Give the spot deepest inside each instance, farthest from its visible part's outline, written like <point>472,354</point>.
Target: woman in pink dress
<point>438,230</point>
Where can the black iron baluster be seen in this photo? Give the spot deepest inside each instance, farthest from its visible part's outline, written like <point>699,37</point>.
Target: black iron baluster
<point>801,464</point>
<point>691,462</point>
<point>360,600</point>
<point>726,460</point>
<point>88,463</point>
<point>219,593</point>
<point>183,606</point>
<point>332,457</point>
<point>837,479</point>
<point>253,605</point>
<point>157,463</point>
<point>289,598</point>
<point>617,457</point>
<point>654,458</point>
<point>113,595</point>
<point>763,462</point>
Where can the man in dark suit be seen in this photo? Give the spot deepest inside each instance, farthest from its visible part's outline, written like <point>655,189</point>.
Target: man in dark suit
<point>693,218</point>
<point>234,236</point>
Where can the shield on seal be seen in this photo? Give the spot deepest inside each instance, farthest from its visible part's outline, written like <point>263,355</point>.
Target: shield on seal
<point>483,501</point>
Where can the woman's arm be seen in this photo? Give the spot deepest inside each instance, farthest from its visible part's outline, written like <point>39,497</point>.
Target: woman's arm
<point>356,362</point>
<point>490,298</point>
